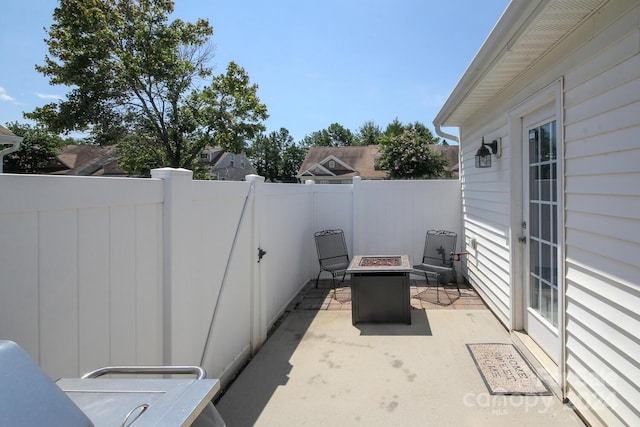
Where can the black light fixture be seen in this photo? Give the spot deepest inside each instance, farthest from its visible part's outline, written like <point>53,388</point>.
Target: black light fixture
<point>483,155</point>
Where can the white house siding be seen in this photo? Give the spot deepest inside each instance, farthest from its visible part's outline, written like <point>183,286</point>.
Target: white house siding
<point>599,66</point>
<point>602,188</point>
<point>486,199</point>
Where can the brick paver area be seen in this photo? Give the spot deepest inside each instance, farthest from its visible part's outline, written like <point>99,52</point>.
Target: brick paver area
<point>422,297</point>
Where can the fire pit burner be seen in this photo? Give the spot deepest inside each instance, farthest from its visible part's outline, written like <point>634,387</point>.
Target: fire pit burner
<point>380,262</point>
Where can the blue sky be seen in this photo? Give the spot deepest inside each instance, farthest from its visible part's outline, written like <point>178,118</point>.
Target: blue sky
<point>316,62</point>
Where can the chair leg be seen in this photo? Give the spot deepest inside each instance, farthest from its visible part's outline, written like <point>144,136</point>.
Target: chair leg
<point>426,276</point>
<point>318,278</point>
<point>334,286</point>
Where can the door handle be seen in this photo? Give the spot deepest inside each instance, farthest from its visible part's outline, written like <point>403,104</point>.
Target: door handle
<point>522,239</point>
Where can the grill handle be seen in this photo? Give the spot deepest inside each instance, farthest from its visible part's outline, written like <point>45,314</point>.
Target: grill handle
<point>199,372</point>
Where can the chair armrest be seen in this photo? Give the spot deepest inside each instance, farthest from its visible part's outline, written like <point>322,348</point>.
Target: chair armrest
<point>456,255</point>
<point>430,269</point>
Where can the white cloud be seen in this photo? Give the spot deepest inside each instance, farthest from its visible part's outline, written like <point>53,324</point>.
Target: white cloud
<point>4,96</point>
<point>48,96</point>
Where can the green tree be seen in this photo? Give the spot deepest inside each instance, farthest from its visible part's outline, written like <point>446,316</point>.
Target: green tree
<point>339,135</point>
<point>316,139</point>
<point>137,156</point>
<point>38,149</point>
<point>368,134</point>
<point>292,159</point>
<point>276,156</point>
<point>335,135</point>
<point>137,77</point>
<point>266,153</point>
<point>395,128</point>
<point>408,156</point>
<point>422,132</point>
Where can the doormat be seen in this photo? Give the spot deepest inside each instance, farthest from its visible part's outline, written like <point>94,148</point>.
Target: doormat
<point>505,371</point>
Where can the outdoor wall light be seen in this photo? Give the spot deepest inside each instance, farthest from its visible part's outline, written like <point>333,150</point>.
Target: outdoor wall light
<point>483,155</point>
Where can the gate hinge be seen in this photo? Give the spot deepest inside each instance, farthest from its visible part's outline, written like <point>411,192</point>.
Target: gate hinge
<point>261,253</point>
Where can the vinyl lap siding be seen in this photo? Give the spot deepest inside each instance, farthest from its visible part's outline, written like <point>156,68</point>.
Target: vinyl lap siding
<point>486,218</point>
<point>602,188</point>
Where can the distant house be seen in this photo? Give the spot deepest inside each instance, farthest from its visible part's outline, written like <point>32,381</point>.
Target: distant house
<point>9,143</point>
<point>451,152</point>
<point>226,166</point>
<point>86,160</point>
<point>94,160</point>
<point>338,165</point>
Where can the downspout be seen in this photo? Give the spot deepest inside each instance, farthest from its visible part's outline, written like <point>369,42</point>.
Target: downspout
<point>445,135</point>
<point>15,140</point>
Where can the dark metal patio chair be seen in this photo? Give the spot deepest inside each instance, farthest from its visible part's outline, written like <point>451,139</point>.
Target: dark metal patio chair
<point>438,259</point>
<point>332,254</point>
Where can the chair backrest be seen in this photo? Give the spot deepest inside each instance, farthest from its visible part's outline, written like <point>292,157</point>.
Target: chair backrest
<point>331,246</point>
<point>438,246</point>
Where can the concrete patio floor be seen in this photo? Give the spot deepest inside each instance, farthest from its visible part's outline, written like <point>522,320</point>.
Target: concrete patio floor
<point>318,369</point>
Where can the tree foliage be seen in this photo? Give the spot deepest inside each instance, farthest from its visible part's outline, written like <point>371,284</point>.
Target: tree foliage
<point>409,156</point>
<point>276,156</point>
<point>395,128</point>
<point>38,149</point>
<point>368,134</point>
<point>135,76</point>
<point>335,135</point>
<point>292,159</point>
<point>405,150</point>
<point>266,153</point>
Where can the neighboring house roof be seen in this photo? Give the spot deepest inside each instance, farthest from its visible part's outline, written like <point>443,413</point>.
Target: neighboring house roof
<point>8,137</point>
<point>358,161</point>
<point>5,131</point>
<point>227,166</point>
<point>524,34</point>
<point>343,162</point>
<point>451,152</point>
<point>88,160</point>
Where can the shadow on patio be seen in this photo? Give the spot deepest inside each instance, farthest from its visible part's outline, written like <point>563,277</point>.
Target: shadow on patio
<point>319,369</point>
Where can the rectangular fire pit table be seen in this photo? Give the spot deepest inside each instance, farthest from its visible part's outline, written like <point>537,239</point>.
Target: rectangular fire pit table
<point>380,289</point>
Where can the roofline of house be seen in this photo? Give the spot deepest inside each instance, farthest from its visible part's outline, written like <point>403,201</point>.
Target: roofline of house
<point>15,142</point>
<point>511,25</point>
<point>315,165</point>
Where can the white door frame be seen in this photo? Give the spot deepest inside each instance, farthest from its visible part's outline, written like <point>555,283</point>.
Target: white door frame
<point>551,94</point>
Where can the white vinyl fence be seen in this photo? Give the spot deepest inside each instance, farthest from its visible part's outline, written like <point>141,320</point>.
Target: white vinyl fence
<point>105,271</point>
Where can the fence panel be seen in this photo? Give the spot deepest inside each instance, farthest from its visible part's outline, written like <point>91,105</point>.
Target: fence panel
<point>392,217</point>
<point>287,237</point>
<point>223,219</point>
<point>80,256</point>
<point>331,208</point>
<point>100,271</point>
